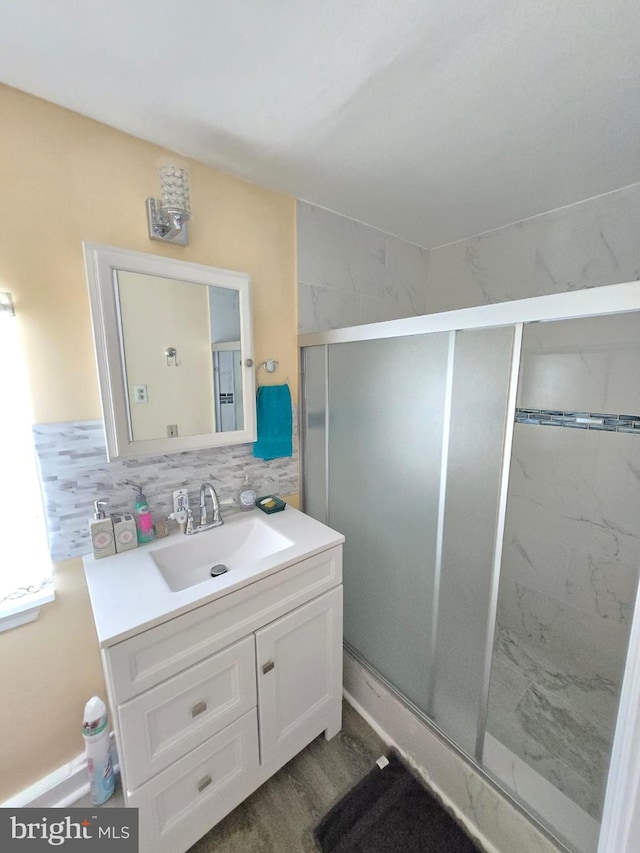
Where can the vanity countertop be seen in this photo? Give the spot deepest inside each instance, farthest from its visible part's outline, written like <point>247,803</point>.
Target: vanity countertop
<point>129,594</point>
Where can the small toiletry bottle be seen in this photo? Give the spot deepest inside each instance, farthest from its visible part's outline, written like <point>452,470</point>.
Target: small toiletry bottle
<point>144,524</point>
<point>247,496</point>
<point>101,532</point>
<point>125,532</point>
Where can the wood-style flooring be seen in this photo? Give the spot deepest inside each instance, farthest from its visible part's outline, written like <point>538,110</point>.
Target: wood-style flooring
<point>280,816</point>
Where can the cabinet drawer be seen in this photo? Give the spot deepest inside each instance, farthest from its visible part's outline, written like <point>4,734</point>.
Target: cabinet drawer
<point>183,802</point>
<point>154,655</point>
<point>179,714</point>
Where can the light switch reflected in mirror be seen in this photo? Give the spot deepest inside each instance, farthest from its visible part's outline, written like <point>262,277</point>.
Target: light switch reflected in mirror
<point>174,349</point>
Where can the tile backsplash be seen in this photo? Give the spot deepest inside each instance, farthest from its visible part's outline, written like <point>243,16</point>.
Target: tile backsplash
<point>74,472</point>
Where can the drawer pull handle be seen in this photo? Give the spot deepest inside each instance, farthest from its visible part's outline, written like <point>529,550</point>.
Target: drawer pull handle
<point>204,783</point>
<point>198,709</point>
<point>268,667</point>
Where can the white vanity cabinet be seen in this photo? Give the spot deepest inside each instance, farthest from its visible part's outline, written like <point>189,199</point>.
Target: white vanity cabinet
<point>209,703</point>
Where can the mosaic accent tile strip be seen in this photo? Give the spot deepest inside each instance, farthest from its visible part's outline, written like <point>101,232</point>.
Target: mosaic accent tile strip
<point>579,420</point>
<point>74,473</point>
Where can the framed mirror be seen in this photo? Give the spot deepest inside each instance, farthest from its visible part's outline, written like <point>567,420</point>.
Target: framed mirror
<point>174,349</point>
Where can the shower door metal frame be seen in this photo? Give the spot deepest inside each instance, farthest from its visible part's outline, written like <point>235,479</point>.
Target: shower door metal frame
<point>620,812</point>
<point>514,374</point>
<point>437,575</point>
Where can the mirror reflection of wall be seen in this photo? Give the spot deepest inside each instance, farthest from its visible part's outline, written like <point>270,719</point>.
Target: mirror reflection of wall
<point>180,395</point>
<point>156,313</point>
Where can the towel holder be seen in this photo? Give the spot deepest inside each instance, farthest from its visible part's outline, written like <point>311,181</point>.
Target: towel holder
<point>270,365</point>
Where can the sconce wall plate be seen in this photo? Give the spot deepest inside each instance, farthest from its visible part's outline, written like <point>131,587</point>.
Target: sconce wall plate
<point>167,226</point>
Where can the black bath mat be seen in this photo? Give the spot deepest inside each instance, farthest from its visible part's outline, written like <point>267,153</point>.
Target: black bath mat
<point>389,811</point>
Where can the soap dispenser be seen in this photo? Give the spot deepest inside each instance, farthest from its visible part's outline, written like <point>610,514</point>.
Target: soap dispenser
<point>247,496</point>
<point>101,532</point>
<point>144,524</point>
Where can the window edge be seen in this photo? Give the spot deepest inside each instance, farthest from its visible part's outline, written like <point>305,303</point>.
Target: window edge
<point>25,610</point>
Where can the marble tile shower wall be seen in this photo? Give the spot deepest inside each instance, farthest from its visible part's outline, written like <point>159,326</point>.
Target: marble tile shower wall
<point>571,557</point>
<point>589,244</point>
<point>74,472</point>
<point>350,273</point>
<point>567,590</point>
<point>572,545</point>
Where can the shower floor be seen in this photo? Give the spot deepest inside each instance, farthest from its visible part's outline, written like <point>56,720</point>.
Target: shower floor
<point>558,723</point>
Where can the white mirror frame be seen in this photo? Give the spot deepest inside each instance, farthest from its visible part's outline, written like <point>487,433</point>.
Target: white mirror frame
<point>101,263</point>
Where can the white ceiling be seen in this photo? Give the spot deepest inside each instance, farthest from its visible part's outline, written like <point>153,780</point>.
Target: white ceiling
<point>431,119</point>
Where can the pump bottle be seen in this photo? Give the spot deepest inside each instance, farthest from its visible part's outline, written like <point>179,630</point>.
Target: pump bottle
<point>144,524</point>
<point>101,532</point>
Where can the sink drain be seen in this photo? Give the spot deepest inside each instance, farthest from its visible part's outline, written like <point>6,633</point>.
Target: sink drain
<point>217,570</point>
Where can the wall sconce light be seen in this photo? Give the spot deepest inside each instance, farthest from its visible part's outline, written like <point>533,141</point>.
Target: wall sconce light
<point>169,214</point>
<point>6,303</point>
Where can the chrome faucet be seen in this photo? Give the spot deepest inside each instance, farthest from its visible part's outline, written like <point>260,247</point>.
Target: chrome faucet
<point>205,524</point>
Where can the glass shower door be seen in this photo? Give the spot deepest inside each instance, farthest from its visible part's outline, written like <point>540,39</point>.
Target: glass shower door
<point>478,413</point>
<point>314,421</point>
<point>386,416</point>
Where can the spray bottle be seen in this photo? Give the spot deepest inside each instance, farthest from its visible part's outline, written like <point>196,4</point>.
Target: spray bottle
<point>95,730</point>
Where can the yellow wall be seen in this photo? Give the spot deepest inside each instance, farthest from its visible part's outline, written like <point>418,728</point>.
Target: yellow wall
<point>65,179</point>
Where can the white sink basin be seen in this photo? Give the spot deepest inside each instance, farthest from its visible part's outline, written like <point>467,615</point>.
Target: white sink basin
<point>141,588</point>
<point>240,542</point>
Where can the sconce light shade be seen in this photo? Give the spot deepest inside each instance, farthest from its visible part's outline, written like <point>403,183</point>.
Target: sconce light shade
<point>168,215</point>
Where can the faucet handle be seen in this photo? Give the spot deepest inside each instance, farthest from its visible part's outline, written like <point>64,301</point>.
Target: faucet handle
<point>181,518</point>
<point>189,528</point>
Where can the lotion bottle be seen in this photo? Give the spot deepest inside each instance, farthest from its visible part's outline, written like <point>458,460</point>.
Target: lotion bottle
<point>144,524</point>
<point>101,532</point>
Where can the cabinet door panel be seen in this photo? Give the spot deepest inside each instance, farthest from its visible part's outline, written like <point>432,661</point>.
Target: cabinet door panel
<point>299,677</point>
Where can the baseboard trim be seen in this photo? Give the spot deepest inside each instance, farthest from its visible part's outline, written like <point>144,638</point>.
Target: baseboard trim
<point>60,789</point>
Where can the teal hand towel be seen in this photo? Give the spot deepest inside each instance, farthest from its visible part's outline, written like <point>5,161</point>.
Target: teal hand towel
<point>275,423</point>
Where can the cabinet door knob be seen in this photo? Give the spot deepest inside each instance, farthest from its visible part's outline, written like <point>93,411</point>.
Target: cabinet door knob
<point>203,783</point>
<point>198,708</point>
<point>267,667</point>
